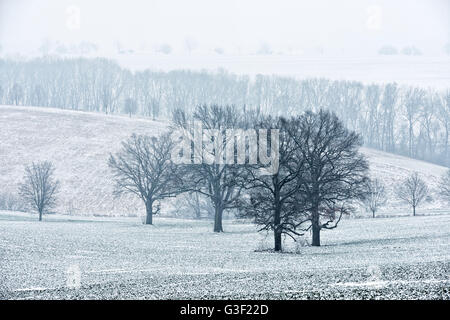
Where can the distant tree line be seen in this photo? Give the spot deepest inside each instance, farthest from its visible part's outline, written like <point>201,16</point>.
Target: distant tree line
<point>404,120</point>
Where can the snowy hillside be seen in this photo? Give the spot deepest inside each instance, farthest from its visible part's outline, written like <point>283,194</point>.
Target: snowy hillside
<point>183,259</point>
<point>78,143</point>
<point>392,170</point>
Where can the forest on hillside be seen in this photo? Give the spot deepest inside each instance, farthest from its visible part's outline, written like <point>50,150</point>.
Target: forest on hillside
<point>404,120</point>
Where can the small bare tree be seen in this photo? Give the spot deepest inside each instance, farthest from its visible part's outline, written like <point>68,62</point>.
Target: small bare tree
<point>375,196</point>
<point>413,190</point>
<point>444,186</point>
<point>39,189</point>
<point>143,167</point>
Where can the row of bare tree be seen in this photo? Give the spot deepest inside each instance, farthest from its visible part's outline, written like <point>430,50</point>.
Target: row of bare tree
<point>404,120</point>
<point>320,170</point>
<point>320,176</point>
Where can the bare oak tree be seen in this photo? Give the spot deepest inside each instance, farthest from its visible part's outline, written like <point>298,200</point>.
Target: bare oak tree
<point>219,180</point>
<point>334,172</point>
<point>143,167</point>
<point>413,190</point>
<point>270,201</point>
<point>39,188</point>
<point>375,195</point>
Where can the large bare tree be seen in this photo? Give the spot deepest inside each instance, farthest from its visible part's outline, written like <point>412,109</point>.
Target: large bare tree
<point>271,200</point>
<point>39,188</point>
<point>413,190</point>
<point>334,172</point>
<point>215,178</point>
<point>143,167</point>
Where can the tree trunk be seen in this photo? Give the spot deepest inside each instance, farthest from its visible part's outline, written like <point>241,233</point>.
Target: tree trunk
<point>40,215</point>
<point>315,221</point>
<point>277,236</point>
<point>149,209</point>
<point>277,223</point>
<point>414,211</point>
<point>198,212</point>
<point>218,219</point>
<point>277,229</point>
<point>315,234</point>
<point>373,213</point>
<point>277,232</point>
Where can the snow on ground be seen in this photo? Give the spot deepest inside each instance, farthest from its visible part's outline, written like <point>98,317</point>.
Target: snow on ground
<point>403,257</point>
<point>79,143</point>
<point>118,257</point>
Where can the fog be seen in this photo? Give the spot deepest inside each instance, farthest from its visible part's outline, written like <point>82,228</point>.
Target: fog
<point>349,27</point>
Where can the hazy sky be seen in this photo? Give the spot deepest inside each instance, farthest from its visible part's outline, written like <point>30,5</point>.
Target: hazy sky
<point>360,26</point>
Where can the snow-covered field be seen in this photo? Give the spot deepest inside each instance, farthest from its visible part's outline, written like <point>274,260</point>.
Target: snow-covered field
<point>118,257</point>
<point>79,143</point>
<point>403,257</point>
<point>423,71</point>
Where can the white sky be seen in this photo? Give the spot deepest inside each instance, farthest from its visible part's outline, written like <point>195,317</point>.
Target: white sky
<point>350,26</point>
